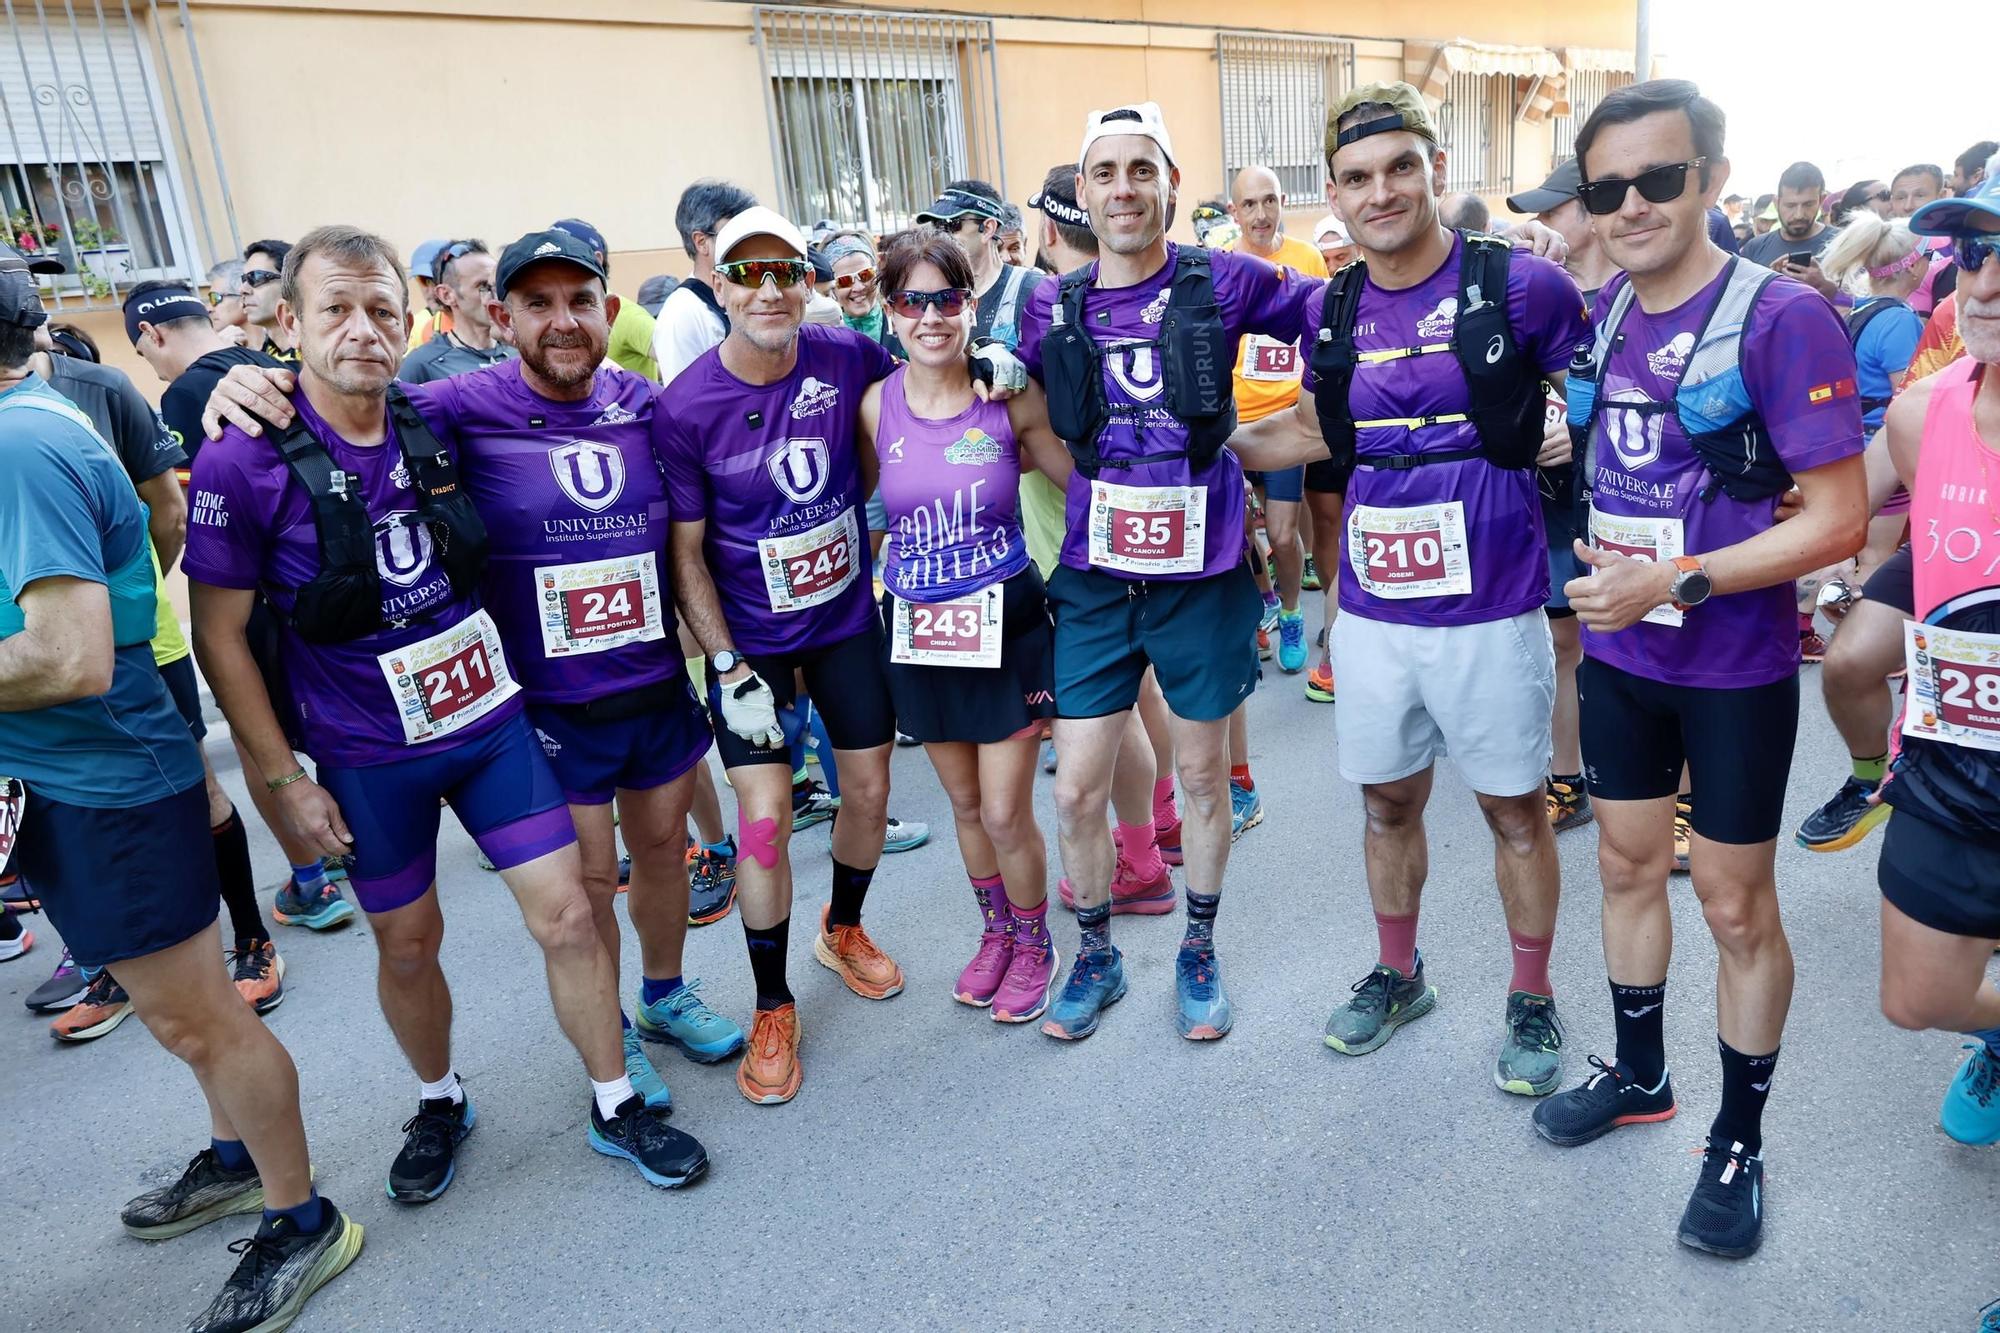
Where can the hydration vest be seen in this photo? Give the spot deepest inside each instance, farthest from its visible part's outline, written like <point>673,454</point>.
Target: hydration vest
<point>343,601</point>
<point>1197,367</point>
<point>1015,284</point>
<point>1506,390</point>
<point>1858,320</point>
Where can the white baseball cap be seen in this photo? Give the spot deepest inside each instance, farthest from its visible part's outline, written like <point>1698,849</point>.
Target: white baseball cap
<point>758,220</point>
<point>1142,118</point>
<point>1329,226</point>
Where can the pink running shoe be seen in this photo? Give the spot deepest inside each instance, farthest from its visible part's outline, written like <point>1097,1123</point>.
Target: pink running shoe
<point>1024,991</point>
<point>1168,836</point>
<point>983,975</point>
<point>1129,894</point>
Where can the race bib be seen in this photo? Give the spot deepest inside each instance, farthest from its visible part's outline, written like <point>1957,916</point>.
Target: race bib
<point>447,682</point>
<point>13,806</point>
<point>1653,539</point>
<point>1147,529</point>
<point>599,605</point>
<point>813,566</point>
<point>1954,689</point>
<point>964,632</point>
<point>1418,551</point>
<point>1267,359</point>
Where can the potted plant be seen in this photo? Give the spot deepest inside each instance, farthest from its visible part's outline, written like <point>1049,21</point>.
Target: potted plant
<point>29,236</point>
<point>101,254</point>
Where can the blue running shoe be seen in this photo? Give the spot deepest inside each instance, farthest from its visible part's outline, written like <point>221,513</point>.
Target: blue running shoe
<point>905,835</point>
<point>1292,642</point>
<point>1246,810</point>
<point>1203,1006</point>
<point>646,1080</point>
<point>1269,620</point>
<point>711,883</point>
<point>320,909</point>
<point>812,804</point>
<point>1971,1110</point>
<point>1096,982</point>
<point>682,1020</point>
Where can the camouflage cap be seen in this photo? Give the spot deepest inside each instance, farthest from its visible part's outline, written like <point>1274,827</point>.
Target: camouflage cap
<point>1408,111</point>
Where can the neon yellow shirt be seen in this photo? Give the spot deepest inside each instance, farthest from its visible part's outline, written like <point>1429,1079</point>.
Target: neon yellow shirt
<point>632,341</point>
<point>1268,371</point>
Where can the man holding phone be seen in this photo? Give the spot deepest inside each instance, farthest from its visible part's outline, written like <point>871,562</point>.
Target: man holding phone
<point>1793,246</point>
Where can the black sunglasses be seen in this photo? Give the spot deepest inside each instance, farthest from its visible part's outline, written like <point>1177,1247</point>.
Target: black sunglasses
<point>1972,251</point>
<point>1659,185</point>
<point>910,305</point>
<point>259,277</point>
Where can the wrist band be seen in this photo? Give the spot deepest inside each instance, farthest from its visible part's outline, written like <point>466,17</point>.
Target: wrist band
<point>272,784</point>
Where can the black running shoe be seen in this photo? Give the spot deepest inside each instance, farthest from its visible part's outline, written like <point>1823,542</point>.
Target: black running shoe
<point>1846,818</point>
<point>423,1170</point>
<point>641,1135</point>
<point>1725,1214</point>
<point>205,1191</point>
<point>281,1267</point>
<point>1601,1103</point>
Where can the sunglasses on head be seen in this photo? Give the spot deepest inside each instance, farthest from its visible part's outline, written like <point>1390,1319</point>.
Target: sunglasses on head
<point>1659,185</point>
<point>910,305</point>
<point>1972,251</point>
<point>752,272</point>
<point>259,277</point>
<point>859,278</point>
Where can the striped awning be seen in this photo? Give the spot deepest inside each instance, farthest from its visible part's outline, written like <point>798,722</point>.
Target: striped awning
<point>1577,60</point>
<point>1537,71</point>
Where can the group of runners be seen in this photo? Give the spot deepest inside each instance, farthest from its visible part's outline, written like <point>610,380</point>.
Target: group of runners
<point>536,587</point>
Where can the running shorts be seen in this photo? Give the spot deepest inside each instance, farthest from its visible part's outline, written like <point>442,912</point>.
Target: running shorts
<point>848,686</point>
<point>1198,635</point>
<point>1940,878</point>
<point>632,741</point>
<point>981,705</point>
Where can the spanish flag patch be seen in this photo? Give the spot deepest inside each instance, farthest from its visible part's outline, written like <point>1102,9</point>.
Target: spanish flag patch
<point>1826,393</point>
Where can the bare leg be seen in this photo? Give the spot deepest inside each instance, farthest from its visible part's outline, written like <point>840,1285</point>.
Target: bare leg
<point>1395,846</point>
<point>583,982</point>
<point>1201,756</point>
<point>410,984</point>
<point>1567,632</point>
<point>1089,751</point>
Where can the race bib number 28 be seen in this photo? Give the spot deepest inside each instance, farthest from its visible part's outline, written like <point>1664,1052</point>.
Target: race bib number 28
<point>1954,693</point>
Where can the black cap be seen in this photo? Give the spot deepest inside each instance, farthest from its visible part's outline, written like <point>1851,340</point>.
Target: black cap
<point>20,300</point>
<point>13,261</point>
<point>539,245</point>
<point>1057,201</point>
<point>1557,190</point>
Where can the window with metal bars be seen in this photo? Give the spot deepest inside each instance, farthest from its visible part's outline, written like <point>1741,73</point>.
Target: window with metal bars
<point>1275,95</point>
<point>1587,87</point>
<point>872,113</point>
<point>1477,125</point>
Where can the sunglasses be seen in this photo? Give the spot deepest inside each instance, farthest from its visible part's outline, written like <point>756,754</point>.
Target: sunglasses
<point>910,305</point>
<point>216,298</point>
<point>259,277</point>
<point>860,278</point>
<point>457,250</point>
<point>1973,251</point>
<point>1658,186</point>
<point>752,272</point>
<point>1880,196</point>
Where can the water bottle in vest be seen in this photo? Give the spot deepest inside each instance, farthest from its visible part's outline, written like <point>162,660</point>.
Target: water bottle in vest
<point>1581,393</point>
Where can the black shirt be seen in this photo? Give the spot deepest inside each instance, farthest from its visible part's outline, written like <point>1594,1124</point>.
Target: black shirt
<point>121,414</point>
<point>186,398</point>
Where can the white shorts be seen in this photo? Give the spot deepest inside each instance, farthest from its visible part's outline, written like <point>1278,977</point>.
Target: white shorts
<point>1410,694</point>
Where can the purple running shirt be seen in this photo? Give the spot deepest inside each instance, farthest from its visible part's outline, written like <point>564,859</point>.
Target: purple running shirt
<point>952,491</point>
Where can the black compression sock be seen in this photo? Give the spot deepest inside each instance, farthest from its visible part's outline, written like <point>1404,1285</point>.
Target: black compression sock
<point>767,962</point>
<point>1637,1014</point>
<point>850,886</point>
<point>239,888</point>
<point>1746,1085</point>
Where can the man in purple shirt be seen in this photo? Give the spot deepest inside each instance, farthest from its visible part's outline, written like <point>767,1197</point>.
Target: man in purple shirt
<point>1136,352</point>
<point>1441,645</point>
<point>1711,386</point>
<point>350,521</point>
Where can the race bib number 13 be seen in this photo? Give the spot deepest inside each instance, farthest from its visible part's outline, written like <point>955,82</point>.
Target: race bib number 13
<point>447,682</point>
<point>1410,552</point>
<point>964,632</point>
<point>1954,693</point>
<point>1148,530</point>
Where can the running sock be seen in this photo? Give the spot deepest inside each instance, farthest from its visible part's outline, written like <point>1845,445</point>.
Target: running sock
<point>1095,925</point>
<point>1141,847</point>
<point>1531,962</point>
<point>1574,781</point>
<point>1638,1013</point>
<point>307,1217</point>
<point>1031,925</point>
<point>850,886</point>
<point>1746,1085</point>
<point>1239,774</point>
<point>446,1088</point>
<point>1201,920</point>
<point>1163,799</point>
<point>10,925</point>
<point>612,1095</point>
<point>991,895</point>
<point>1396,942</point>
<point>239,889</point>
<point>310,877</point>
<point>767,962</point>
<point>726,848</point>
<point>652,989</point>
<point>1871,770</point>
<point>230,1153</point>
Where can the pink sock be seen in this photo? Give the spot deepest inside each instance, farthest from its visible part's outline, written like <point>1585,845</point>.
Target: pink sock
<point>1163,799</point>
<point>1397,939</point>
<point>1531,963</point>
<point>1141,848</point>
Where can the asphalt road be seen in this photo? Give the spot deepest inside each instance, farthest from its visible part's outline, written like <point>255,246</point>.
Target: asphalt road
<point>943,1171</point>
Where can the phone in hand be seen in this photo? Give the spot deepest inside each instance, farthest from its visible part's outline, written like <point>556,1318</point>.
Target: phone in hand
<point>1800,258</point>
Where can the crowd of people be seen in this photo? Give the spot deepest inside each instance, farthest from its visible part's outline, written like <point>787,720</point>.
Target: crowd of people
<point>1577,489</point>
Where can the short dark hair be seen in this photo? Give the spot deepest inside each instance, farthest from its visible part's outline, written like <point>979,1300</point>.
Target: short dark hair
<point>470,245</point>
<point>151,285</point>
<point>17,344</point>
<point>1061,180</point>
<point>984,189</point>
<point>705,205</point>
<point>1622,106</point>
<point>275,250</point>
<point>1974,159</point>
<point>1465,212</point>
<point>907,249</point>
<point>1802,176</point>
<point>1764,201</point>
<point>1931,169</point>
<point>342,243</point>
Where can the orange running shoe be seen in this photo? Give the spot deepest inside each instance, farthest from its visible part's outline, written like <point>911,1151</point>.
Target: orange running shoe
<point>259,975</point>
<point>769,1073</point>
<point>868,972</point>
<point>103,1007</point>
<point>1319,683</point>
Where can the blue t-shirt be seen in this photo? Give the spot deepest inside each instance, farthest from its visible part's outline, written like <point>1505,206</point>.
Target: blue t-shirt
<point>1881,355</point>
<point>68,509</point>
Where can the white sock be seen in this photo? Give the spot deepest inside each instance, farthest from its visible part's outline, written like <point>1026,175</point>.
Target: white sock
<point>610,1096</point>
<point>446,1087</point>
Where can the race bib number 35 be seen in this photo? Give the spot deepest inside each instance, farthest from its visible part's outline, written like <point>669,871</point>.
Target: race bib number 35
<point>447,682</point>
<point>599,605</point>
<point>1417,551</point>
<point>964,632</point>
<point>1650,539</point>
<point>1954,693</point>
<point>1148,530</point>
<point>811,567</point>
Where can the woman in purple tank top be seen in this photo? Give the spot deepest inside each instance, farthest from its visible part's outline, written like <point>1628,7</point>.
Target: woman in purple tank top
<point>965,620</point>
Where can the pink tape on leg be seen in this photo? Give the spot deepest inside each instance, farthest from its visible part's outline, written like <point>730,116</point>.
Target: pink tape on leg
<point>758,840</point>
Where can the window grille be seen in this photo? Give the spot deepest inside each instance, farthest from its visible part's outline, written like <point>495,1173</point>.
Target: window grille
<point>1477,122</point>
<point>1275,95</point>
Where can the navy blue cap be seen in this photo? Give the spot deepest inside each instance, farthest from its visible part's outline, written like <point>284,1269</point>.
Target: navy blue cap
<point>539,245</point>
<point>586,233</point>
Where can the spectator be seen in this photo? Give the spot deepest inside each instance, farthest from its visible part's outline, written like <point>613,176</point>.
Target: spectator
<point>1800,232</point>
<point>1870,194</point>
<point>970,212</point>
<point>1763,214</point>
<point>1013,237</point>
<point>1969,168</point>
<point>653,293</point>
<point>691,319</point>
<point>423,278</point>
<point>1882,263</point>
<point>1334,247</point>
<point>464,286</point>
<point>263,265</point>
<point>851,254</point>
<point>225,302</point>
<point>1915,186</point>
<point>1465,212</point>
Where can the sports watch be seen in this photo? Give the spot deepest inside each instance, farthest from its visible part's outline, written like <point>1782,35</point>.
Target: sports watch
<point>728,659</point>
<point>1692,585</point>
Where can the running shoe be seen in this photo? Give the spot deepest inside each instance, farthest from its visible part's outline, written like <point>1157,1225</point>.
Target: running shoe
<point>1725,1214</point>
<point>1601,1103</point>
<point>980,981</point>
<point>1383,1001</point>
<point>1971,1109</point>
<point>322,909</point>
<point>14,948</point>
<point>1031,977</point>
<point>103,1007</point>
<point>1130,895</point>
<point>280,1269</point>
<point>711,884</point>
<point>641,1135</point>
<point>1263,644</point>
<point>1246,810</point>
<point>1268,621</point>
<point>646,1080</point>
<point>1319,683</point>
<point>769,1073</point>
<point>16,896</point>
<point>1309,577</point>
<point>1096,982</point>
<point>1292,643</point>
<point>812,804</point>
<point>906,741</point>
<point>685,1021</point>
<point>1846,818</point>
<point>1049,756</point>
<point>64,987</point>
<point>1683,833</point>
<point>904,835</point>
<point>1201,1011</point>
<point>1812,649</point>
<point>624,873</point>
<point>259,975</point>
<point>1167,834</point>
<point>1569,806</point>
<point>1530,1062</point>
<point>848,951</point>
<point>338,868</point>
<point>424,1168</point>
<point>205,1191</point>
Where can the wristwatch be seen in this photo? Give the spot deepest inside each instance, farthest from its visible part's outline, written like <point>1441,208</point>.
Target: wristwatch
<point>728,660</point>
<point>1692,585</point>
